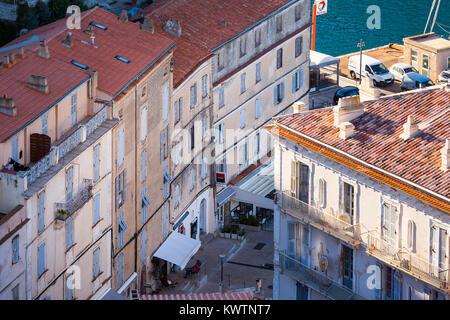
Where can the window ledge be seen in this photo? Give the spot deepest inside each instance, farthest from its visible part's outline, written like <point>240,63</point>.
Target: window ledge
<point>95,224</point>
<point>96,277</point>
<point>69,248</point>
<point>44,272</point>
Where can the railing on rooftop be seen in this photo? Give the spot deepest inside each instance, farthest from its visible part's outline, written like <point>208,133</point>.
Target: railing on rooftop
<point>408,262</point>
<point>320,219</point>
<point>314,279</point>
<point>57,152</point>
<point>65,209</point>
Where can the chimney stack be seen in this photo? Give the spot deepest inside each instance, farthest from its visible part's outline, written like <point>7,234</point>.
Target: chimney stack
<point>410,128</point>
<point>12,58</point>
<point>346,129</point>
<point>445,156</point>
<point>89,30</point>
<point>43,50</point>
<point>123,16</point>
<point>173,27</point>
<point>347,109</point>
<point>39,83</point>
<point>148,26</point>
<point>68,41</point>
<point>21,53</point>
<point>6,62</point>
<point>7,106</point>
<point>299,107</point>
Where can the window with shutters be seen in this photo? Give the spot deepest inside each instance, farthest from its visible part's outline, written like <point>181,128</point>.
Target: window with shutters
<point>322,192</point>
<point>279,93</point>
<point>164,219</point>
<point>192,180</point>
<point>96,162</point>
<point>15,293</point>
<point>389,227</point>
<point>243,155</point>
<point>203,169</point>
<point>298,46</point>
<point>120,146</point>
<point>41,211</point>
<point>393,284</point>
<point>41,259</point>
<point>45,124</point>
<point>176,200</point>
<point>145,205</point>
<point>192,137</point>
<point>96,208</point>
<point>438,252</point>
<point>257,108</point>
<point>411,241</point>
<point>204,125</point>
<point>165,101</point>
<point>242,47</point>
<point>120,270</point>
<point>348,201</point>
<point>297,80</point>
<point>279,23</point>
<point>243,82</point>
<point>164,143</point>
<point>279,58</point>
<point>193,95</point>
<point>143,165</point>
<point>121,186</point>
<point>69,183</point>
<point>15,249</point>
<point>143,123</point>
<point>96,263</point>
<point>242,119</point>
<point>258,72</point>
<point>300,181</point>
<point>220,133</point>
<point>166,181</point>
<point>73,109</point>
<point>122,228</point>
<point>178,110</point>
<point>257,37</point>
<point>257,143</point>
<point>204,86</point>
<point>69,233</point>
<point>347,267</point>
<point>143,245</point>
<point>221,97</point>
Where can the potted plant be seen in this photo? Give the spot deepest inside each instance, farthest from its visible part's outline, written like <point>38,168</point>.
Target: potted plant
<point>62,213</point>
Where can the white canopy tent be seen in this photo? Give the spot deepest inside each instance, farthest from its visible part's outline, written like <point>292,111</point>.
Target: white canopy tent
<point>178,249</point>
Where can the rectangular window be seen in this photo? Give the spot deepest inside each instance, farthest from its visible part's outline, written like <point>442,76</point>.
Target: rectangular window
<point>15,249</point>
<point>45,124</point>
<point>243,47</point>
<point>143,165</point>
<point>220,133</point>
<point>411,235</point>
<point>300,181</point>
<point>122,229</point>
<point>242,118</point>
<point>279,24</point>
<point>279,93</point>
<point>243,154</point>
<point>192,179</point>
<point>298,13</point>
<point>176,117</point>
<point>389,229</point>
<point>73,109</point>
<point>298,46</point>
<point>349,201</point>
<point>193,95</point>
<point>347,267</point>
<point>192,137</point>
<point>144,245</point>
<point>166,181</point>
<point>120,146</point>
<point>69,183</point>
<point>41,259</point>
<point>220,61</point>
<point>165,101</point>
<point>297,80</point>
<point>176,198</point>
<point>221,97</point>
<point>165,218</point>
<point>258,72</point>
<point>242,83</point>
<point>414,59</point>
<point>204,85</point>
<point>143,123</point>
<point>15,149</point>
<point>257,37</point>
<point>96,162</point>
<point>204,125</point>
<point>15,293</point>
<point>96,264</point>
<point>322,190</point>
<point>425,65</point>
<point>69,233</point>
<point>145,204</point>
<point>121,188</point>
<point>257,143</point>
<point>41,211</point>
<point>164,143</point>
<point>279,58</point>
<point>257,108</point>
<point>203,168</point>
<point>97,208</point>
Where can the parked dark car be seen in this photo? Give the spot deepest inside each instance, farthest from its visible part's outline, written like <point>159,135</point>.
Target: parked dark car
<point>345,92</point>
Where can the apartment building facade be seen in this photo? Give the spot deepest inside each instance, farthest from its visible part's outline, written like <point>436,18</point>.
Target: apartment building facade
<point>363,200</point>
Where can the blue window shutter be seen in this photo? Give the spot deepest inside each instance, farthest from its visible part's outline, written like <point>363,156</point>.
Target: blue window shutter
<point>176,111</point>
<point>164,219</point>
<point>181,108</point>
<point>282,91</point>
<point>41,211</point>
<point>15,249</point>
<point>117,191</point>
<point>69,183</point>
<point>96,162</point>
<point>45,124</point>
<point>143,245</point>
<point>257,108</point>
<point>276,95</point>
<point>294,76</point>
<point>41,258</point>
<point>124,196</point>
<point>242,118</point>
<point>301,78</point>
<point>96,208</point>
<point>162,140</point>
<point>15,149</point>
<point>69,233</point>
<point>165,101</point>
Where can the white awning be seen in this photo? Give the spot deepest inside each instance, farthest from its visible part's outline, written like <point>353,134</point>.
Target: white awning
<point>318,59</point>
<point>260,181</point>
<point>178,249</point>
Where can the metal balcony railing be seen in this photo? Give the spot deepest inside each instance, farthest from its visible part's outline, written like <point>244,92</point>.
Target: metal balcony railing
<point>406,261</point>
<point>338,227</point>
<point>63,210</point>
<point>314,279</point>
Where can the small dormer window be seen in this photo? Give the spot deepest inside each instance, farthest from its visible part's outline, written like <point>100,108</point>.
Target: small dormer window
<point>120,58</point>
<point>79,65</point>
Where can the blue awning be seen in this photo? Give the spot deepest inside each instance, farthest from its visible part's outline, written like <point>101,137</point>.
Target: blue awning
<point>180,221</point>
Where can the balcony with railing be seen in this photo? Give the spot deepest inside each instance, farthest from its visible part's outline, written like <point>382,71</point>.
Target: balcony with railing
<point>407,262</point>
<point>315,279</point>
<point>64,210</point>
<point>338,227</point>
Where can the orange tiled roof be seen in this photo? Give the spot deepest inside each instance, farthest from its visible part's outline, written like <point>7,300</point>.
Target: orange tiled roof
<point>376,139</point>
<point>203,28</point>
<point>124,39</point>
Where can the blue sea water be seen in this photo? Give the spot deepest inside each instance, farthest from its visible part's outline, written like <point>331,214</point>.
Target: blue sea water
<point>339,30</point>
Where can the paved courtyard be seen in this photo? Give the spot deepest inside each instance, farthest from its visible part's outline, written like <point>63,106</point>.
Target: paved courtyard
<point>242,266</point>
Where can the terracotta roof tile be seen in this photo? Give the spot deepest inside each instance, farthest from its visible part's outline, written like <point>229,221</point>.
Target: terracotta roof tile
<point>376,139</point>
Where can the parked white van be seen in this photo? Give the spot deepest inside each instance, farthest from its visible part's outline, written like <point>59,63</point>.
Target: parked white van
<point>371,68</point>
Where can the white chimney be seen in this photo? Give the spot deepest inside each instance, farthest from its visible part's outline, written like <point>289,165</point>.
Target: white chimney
<point>346,129</point>
<point>410,128</point>
<point>299,107</point>
<point>445,156</point>
<point>348,108</point>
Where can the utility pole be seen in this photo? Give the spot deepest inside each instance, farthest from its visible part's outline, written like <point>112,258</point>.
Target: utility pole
<point>221,258</point>
<point>361,44</point>
<point>313,31</point>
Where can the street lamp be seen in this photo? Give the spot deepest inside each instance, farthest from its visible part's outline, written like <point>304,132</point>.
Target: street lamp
<point>360,45</point>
